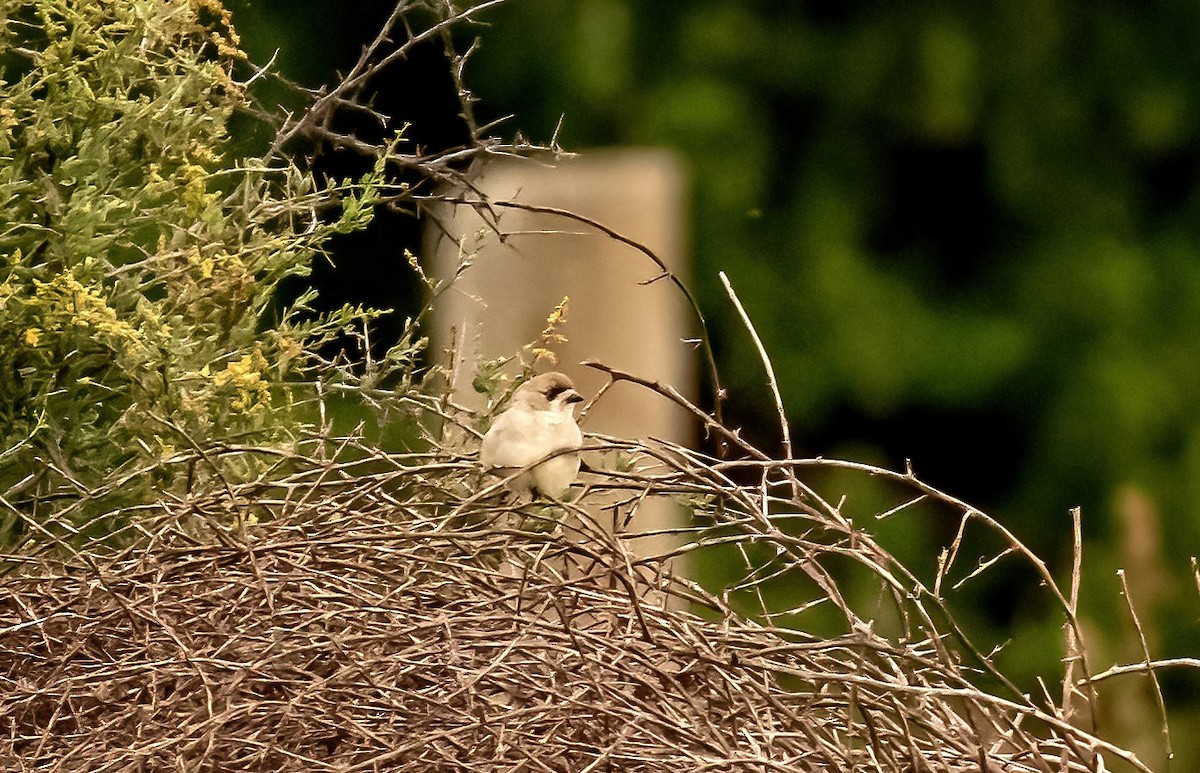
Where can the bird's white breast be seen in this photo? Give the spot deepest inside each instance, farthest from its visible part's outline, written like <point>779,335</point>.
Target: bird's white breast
<point>522,435</point>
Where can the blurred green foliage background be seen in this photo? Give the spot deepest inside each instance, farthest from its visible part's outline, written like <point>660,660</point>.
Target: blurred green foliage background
<point>969,234</point>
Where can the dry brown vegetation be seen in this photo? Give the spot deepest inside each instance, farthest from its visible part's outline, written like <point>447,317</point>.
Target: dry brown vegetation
<point>375,614</point>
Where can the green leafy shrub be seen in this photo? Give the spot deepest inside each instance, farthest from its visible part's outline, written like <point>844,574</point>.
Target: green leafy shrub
<point>139,262</point>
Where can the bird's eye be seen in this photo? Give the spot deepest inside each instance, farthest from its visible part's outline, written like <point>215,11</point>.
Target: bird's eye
<point>554,392</point>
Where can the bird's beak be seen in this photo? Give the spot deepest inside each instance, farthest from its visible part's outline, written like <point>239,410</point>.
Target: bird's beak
<point>574,397</point>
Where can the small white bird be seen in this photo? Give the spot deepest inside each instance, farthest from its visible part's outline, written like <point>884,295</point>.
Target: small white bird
<point>538,422</point>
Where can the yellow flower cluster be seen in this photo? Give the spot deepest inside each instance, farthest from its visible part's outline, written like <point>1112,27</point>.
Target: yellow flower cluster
<point>550,335</point>
<point>245,376</point>
<point>65,307</point>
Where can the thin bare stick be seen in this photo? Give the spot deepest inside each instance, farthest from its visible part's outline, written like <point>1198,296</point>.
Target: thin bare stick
<point>1144,667</point>
<point>1075,652</point>
<point>772,382</point>
<point>1150,672</point>
<point>711,423</point>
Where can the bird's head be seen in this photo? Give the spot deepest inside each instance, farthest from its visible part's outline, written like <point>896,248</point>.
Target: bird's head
<point>548,392</point>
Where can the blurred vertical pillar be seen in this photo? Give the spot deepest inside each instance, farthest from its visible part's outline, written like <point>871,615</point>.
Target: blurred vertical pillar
<point>500,302</point>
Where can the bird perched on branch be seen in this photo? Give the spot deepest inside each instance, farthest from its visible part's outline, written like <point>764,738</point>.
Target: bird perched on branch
<point>538,422</point>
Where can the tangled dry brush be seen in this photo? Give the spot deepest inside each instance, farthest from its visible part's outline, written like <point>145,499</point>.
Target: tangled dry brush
<point>365,611</point>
